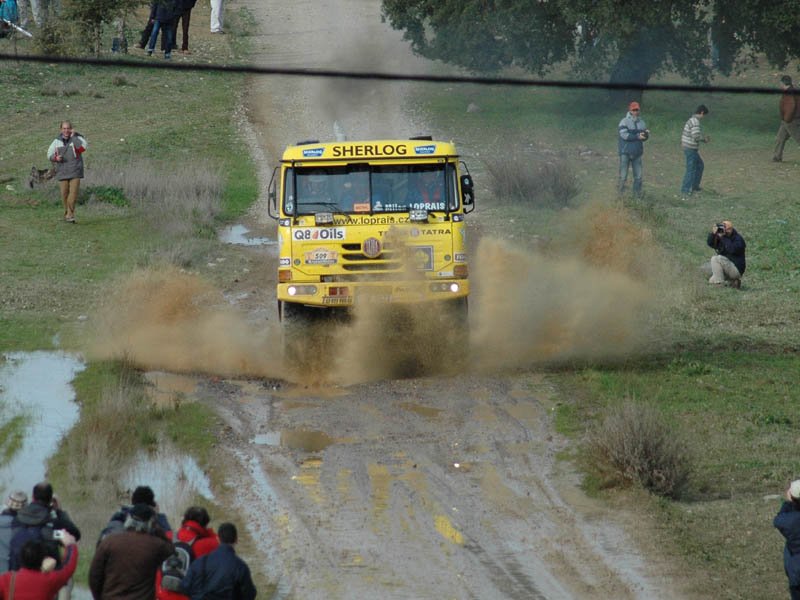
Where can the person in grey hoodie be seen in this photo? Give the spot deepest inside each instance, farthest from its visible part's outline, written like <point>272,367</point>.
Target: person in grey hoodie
<point>66,153</point>
<point>632,134</point>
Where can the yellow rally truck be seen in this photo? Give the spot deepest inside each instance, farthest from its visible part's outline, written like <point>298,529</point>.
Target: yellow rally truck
<point>370,221</point>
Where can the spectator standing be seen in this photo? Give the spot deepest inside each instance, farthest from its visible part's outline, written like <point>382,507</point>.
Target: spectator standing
<point>8,524</point>
<point>143,494</point>
<point>691,136</point>
<point>66,152</point>
<point>163,14</point>
<point>124,566</point>
<point>184,16</point>
<point>8,12</point>
<point>729,263</point>
<point>38,520</point>
<point>787,521</point>
<point>790,118</point>
<point>220,575</point>
<point>194,530</point>
<point>217,10</point>
<point>632,134</point>
<point>32,581</point>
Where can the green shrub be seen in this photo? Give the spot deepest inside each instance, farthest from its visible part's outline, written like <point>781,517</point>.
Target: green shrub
<point>107,193</point>
<point>633,445</point>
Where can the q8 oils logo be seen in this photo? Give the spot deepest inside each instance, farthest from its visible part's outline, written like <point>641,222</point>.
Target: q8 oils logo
<point>307,234</point>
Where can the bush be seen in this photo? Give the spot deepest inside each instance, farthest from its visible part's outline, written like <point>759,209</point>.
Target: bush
<point>635,445</point>
<point>545,181</point>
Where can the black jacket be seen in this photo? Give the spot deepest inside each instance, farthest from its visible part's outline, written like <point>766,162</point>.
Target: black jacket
<point>220,575</point>
<point>732,247</point>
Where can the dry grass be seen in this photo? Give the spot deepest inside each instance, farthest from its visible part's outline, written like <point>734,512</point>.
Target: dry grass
<point>540,180</point>
<point>634,445</point>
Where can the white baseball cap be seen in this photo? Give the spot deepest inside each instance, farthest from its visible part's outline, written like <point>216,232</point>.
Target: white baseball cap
<point>794,489</point>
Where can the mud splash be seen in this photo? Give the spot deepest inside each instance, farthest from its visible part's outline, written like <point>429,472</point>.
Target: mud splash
<point>586,300</point>
<point>35,390</point>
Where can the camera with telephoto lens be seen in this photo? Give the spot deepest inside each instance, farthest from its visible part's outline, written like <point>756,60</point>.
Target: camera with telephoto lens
<point>720,228</point>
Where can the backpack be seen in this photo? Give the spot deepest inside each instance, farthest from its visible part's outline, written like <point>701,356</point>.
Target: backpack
<point>43,533</point>
<point>174,569</point>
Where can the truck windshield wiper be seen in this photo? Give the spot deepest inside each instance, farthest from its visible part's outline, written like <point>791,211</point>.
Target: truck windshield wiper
<point>329,205</point>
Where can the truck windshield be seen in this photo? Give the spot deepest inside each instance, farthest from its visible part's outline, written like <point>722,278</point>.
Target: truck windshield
<point>370,188</point>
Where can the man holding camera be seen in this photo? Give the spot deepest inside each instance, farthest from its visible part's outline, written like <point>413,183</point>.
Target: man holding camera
<point>632,135</point>
<point>729,263</point>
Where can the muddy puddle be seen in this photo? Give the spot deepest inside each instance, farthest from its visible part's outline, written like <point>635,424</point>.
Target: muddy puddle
<point>36,393</point>
<point>302,440</point>
<point>238,235</point>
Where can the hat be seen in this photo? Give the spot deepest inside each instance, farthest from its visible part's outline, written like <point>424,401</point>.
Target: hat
<point>17,500</point>
<point>633,105</point>
<point>142,512</point>
<point>794,489</point>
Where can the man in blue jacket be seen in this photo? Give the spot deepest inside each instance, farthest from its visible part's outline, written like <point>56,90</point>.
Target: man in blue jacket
<point>729,263</point>
<point>787,521</point>
<point>632,135</point>
<point>220,575</point>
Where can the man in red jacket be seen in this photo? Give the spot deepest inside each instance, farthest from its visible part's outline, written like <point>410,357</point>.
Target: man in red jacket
<point>31,582</point>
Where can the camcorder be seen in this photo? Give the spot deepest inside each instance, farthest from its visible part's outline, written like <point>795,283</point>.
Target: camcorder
<point>719,228</point>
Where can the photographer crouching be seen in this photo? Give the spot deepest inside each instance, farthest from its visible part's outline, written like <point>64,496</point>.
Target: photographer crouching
<point>729,263</point>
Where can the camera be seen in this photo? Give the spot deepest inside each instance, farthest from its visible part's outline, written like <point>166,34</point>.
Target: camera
<point>719,228</point>
<point>58,534</point>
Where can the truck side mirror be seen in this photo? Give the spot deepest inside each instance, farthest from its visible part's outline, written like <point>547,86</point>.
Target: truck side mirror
<point>272,195</point>
<point>467,191</point>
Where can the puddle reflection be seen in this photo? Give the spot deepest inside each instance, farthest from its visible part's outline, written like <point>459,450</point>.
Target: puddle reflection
<point>175,478</point>
<point>305,440</point>
<point>36,385</point>
<point>237,234</point>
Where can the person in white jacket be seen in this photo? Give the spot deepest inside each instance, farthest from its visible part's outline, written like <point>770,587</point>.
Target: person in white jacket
<point>66,153</point>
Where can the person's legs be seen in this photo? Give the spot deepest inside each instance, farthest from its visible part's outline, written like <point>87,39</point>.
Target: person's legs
<point>624,160</point>
<point>636,163</point>
<point>698,172</point>
<point>169,40</point>
<point>723,270</point>
<point>216,16</point>
<point>185,18</point>
<point>63,186</point>
<point>153,37</point>
<point>688,176</point>
<point>780,142</point>
<point>72,197</point>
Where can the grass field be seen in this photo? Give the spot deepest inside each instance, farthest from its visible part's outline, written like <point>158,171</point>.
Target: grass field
<point>720,365</point>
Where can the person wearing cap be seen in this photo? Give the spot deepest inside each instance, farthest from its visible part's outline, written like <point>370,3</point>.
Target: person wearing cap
<point>790,118</point>
<point>8,524</point>
<point>787,521</point>
<point>632,134</point>
<point>125,564</point>
<point>691,136</point>
<point>729,263</point>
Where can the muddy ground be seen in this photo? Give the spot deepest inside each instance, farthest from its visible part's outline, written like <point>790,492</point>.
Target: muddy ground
<point>441,486</point>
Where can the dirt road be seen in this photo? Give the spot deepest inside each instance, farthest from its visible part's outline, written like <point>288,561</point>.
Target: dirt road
<point>435,487</point>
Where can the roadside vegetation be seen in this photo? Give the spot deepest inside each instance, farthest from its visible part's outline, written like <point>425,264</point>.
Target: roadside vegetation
<point>166,168</point>
<point>714,377</point>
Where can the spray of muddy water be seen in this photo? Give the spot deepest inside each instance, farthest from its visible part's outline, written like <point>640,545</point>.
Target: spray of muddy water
<point>590,298</point>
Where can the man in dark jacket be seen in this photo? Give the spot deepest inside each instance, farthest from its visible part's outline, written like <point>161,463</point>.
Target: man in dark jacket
<point>143,494</point>
<point>729,263</point>
<point>220,575</point>
<point>38,520</point>
<point>632,134</point>
<point>787,521</point>
<point>790,118</point>
<point>16,501</point>
<point>163,14</point>
<point>124,565</point>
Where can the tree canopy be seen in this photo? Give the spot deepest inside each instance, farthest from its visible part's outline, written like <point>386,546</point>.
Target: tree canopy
<point>623,41</point>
